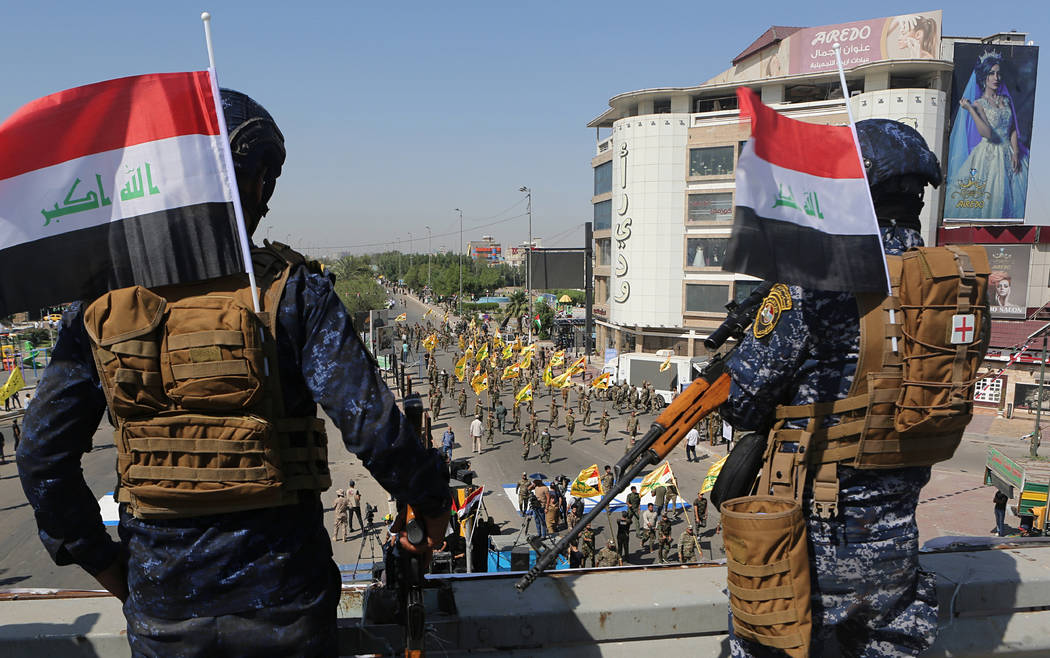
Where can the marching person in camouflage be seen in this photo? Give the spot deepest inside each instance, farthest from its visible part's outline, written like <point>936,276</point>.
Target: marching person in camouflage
<point>608,479</point>
<point>645,398</point>
<point>565,397</point>
<point>461,401</point>
<point>663,536</point>
<point>632,425</point>
<point>603,427</point>
<point>632,397</point>
<point>581,394</point>
<point>522,489</point>
<point>629,445</point>
<point>545,446</point>
<point>634,507</point>
<point>587,411</point>
<point>554,412</point>
<point>515,416</point>
<point>477,407</point>
<point>501,416</point>
<point>608,557</point>
<point>587,544</point>
<point>648,531</point>
<point>687,546</point>
<point>435,404</point>
<point>528,436</point>
<point>570,423</point>
<point>870,597</point>
<point>489,429</point>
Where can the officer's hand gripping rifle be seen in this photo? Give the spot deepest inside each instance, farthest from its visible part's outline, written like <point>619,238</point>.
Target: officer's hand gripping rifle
<point>704,395</point>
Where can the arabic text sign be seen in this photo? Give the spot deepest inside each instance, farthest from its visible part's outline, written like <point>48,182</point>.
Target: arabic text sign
<point>911,36</point>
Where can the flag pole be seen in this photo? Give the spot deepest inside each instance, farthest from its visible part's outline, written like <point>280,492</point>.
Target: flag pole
<point>860,156</point>
<point>242,231</point>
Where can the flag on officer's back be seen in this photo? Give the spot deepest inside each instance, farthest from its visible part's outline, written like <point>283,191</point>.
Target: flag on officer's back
<point>803,211</point>
<point>114,184</point>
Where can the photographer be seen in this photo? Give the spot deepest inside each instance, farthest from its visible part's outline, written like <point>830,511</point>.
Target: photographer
<point>353,497</point>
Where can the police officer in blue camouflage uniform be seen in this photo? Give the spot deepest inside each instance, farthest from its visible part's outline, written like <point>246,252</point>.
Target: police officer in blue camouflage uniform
<point>257,582</point>
<point>869,596</point>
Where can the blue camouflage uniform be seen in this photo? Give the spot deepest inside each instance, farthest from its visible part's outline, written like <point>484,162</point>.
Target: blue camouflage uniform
<point>258,582</point>
<point>869,595</point>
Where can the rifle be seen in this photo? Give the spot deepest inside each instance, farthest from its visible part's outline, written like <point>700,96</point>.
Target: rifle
<point>704,395</point>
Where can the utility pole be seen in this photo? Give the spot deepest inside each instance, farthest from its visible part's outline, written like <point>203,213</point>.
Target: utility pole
<point>528,257</point>
<point>1037,435</point>
<point>459,311</point>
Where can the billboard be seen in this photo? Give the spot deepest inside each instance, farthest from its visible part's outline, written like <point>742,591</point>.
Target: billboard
<point>557,268</point>
<point>911,36</point>
<point>993,100</point>
<point>1008,282</point>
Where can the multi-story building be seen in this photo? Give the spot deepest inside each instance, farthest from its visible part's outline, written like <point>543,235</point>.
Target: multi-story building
<point>664,173</point>
<point>486,250</point>
<point>515,256</point>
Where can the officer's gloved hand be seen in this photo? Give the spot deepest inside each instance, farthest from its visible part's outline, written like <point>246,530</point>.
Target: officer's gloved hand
<point>435,528</point>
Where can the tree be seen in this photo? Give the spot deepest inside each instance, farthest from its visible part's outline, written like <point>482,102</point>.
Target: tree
<point>517,307</point>
<point>546,315</point>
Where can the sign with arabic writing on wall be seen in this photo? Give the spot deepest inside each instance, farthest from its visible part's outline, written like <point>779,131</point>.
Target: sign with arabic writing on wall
<point>912,36</point>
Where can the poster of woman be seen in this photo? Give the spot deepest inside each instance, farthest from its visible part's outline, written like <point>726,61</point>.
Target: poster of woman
<point>993,97</point>
<point>1008,281</point>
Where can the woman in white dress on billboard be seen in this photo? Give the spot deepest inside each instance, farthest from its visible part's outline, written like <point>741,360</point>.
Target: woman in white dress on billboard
<point>992,181</point>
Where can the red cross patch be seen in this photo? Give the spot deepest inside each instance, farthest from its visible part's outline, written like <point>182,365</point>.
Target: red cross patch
<point>964,329</point>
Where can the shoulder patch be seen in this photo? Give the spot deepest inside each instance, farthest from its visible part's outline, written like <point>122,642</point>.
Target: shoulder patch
<point>777,301</point>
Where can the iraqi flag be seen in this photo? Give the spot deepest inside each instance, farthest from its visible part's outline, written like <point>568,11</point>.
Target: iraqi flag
<point>804,214</point>
<point>470,503</point>
<point>114,184</point>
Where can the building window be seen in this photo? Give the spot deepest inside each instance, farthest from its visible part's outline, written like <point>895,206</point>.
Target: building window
<point>601,290</point>
<point>711,161</point>
<point>705,252</point>
<point>716,104</point>
<point>662,107</point>
<point>604,250</point>
<point>743,289</point>
<point>704,298</point>
<point>603,215</point>
<point>603,178</point>
<point>989,390</point>
<point>711,207</point>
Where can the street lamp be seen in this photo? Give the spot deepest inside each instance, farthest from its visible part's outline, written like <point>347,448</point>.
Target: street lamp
<point>459,311</point>
<point>429,249</point>
<point>528,257</point>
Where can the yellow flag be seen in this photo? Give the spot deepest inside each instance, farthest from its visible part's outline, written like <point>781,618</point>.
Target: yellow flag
<point>666,364</point>
<point>430,342</point>
<point>479,383</point>
<point>547,375</point>
<point>563,380</point>
<point>483,352</point>
<point>661,476</point>
<point>517,344</point>
<point>512,371</point>
<point>712,475</point>
<point>558,358</point>
<point>579,365</point>
<point>401,318</point>
<point>508,351</point>
<point>461,368</point>
<point>429,311</point>
<point>497,342</point>
<point>462,345</point>
<point>601,382</point>
<point>588,483</point>
<point>14,384</point>
<point>524,395</point>
<point>527,361</point>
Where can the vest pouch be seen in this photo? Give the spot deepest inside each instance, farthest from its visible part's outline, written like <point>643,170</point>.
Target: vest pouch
<point>123,328</point>
<point>939,284</point>
<point>198,464</point>
<point>768,572</point>
<point>212,357</point>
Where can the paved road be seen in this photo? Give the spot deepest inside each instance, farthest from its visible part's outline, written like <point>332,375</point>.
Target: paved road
<point>955,502</point>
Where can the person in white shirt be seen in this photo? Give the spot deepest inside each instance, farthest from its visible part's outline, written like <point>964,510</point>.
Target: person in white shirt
<point>691,439</point>
<point>475,433</point>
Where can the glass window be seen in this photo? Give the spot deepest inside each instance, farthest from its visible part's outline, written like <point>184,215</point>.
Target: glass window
<point>604,251</point>
<point>743,289</point>
<point>711,207</point>
<point>713,161</point>
<point>706,298</point>
<point>603,216</point>
<point>603,178</point>
<point>705,252</point>
<point>990,390</point>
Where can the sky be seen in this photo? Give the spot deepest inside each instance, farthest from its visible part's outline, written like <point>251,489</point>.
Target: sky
<point>396,114</point>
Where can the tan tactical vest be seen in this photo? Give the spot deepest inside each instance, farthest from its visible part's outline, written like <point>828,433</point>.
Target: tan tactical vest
<point>191,379</point>
<point>911,399</point>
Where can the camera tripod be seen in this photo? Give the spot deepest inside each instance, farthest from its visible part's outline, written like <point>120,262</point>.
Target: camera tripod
<point>368,534</point>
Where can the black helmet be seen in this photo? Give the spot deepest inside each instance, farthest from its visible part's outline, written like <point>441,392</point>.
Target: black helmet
<point>892,150</point>
<point>255,140</point>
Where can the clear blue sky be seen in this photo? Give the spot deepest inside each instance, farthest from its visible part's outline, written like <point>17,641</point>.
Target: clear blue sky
<point>396,113</point>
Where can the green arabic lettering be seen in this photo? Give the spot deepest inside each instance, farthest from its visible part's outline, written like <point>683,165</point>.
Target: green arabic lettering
<point>105,200</point>
<point>70,205</point>
<point>133,188</point>
<point>812,205</point>
<point>785,199</point>
<point>149,181</point>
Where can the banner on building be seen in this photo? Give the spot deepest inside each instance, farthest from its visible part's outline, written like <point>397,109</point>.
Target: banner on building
<point>1008,281</point>
<point>992,106</point>
<point>911,36</point>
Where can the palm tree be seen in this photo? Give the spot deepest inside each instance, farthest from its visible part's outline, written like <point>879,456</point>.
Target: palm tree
<point>515,308</point>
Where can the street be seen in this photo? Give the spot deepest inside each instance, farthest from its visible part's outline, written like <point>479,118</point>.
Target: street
<point>956,502</point>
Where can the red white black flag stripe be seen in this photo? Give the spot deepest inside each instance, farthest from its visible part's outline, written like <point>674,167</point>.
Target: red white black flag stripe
<point>803,210</point>
<point>114,184</point>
